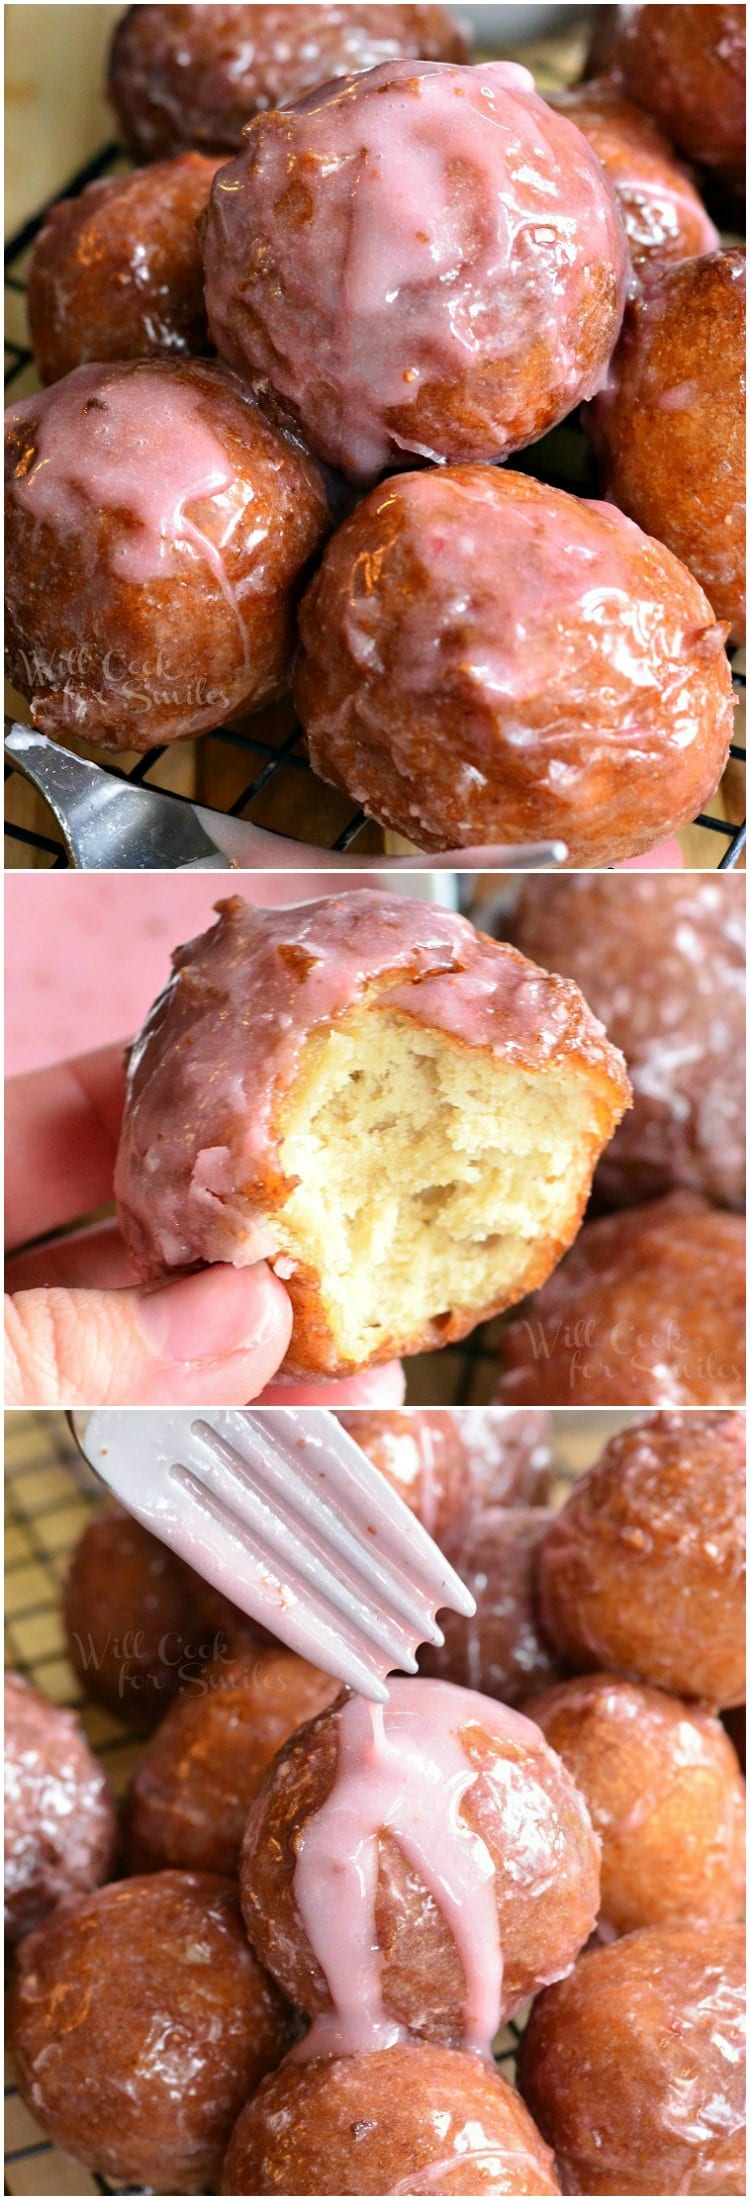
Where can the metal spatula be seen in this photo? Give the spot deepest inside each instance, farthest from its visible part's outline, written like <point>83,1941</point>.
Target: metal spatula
<point>283,1513</point>
<point>107,825</point>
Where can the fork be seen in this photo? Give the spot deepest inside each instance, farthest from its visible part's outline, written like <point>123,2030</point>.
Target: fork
<point>282,1512</point>
<point>109,825</point>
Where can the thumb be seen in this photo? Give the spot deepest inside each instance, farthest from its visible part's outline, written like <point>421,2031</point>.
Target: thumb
<point>214,1338</point>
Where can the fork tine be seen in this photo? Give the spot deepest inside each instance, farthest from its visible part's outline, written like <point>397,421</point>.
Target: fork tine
<point>284,1513</point>
<point>330,1639</point>
<point>299,1565</point>
<point>360,1487</point>
<point>325,1529</point>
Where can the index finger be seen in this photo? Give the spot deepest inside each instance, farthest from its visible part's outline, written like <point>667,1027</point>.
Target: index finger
<point>61,1131</point>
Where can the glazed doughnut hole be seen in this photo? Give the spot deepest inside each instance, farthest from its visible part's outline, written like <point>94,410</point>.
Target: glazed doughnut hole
<point>130,1626</point>
<point>472,250</point>
<point>415,2118</point>
<point>117,2000</point>
<point>485,659</point>
<point>195,1781</point>
<point>643,1571</point>
<point>423,1457</point>
<point>669,430</point>
<point>60,1825</point>
<point>621,1322</point>
<point>158,527</point>
<point>686,65</point>
<point>633,2067</point>
<point>664,217</point>
<point>502,1650</point>
<point>661,959</point>
<point>116,273</point>
<point>665,1796</point>
<point>428,1865</point>
<point>194,75</point>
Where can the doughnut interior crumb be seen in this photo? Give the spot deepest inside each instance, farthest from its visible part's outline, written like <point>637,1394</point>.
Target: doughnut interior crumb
<point>431,1178</point>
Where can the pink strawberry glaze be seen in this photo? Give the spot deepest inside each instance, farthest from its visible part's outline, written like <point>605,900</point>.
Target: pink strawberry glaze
<point>409,227</point>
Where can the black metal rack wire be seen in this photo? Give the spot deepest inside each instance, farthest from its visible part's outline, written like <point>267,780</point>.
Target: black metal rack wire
<point>265,755</point>
<point>49,1495</point>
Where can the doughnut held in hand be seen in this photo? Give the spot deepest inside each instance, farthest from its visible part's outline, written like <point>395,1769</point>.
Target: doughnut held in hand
<point>643,1571</point>
<point>423,261</point>
<point>648,1309</point>
<point>400,1114</point>
<point>487,659</point>
<point>194,75</point>
<point>634,2067</point>
<point>60,1825</point>
<point>158,527</point>
<point>413,2118</point>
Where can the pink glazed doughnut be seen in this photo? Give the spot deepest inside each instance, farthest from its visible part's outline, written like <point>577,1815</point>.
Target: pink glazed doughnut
<point>423,261</point>
<point>422,1866</point>
<point>485,658</point>
<point>400,1114</point>
<point>158,528</point>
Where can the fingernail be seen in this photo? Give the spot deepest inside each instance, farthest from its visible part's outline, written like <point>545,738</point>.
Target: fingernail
<point>207,1316</point>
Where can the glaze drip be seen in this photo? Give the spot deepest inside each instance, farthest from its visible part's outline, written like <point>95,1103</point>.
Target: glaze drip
<point>139,444</point>
<point>403,1768</point>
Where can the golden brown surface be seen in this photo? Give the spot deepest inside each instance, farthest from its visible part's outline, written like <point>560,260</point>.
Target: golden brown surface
<point>527,1813</point>
<point>194,75</point>
<point>117,272</point>
<point>634,2066</point>
<point>129,1618</point>
<point>643,1571</point>
<point>413,2118</point>
<point>665,1795</point>
<point>661,959</point>
<point>648,1308</point>
<point>453,609</point>
<point>669,429</point>
<point>116,2000</point>
<point>664,217</point>
<point>199,1774</point>
<point>686,65</point>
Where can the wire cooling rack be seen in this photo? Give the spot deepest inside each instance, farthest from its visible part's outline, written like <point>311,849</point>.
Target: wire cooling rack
<point>257,768</point>
<point>49,1496</point>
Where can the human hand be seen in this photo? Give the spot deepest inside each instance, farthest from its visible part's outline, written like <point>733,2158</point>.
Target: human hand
<point>80,1329</point>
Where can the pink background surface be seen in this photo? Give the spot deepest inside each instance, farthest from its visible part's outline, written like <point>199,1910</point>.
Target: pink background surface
<point>86,952</point>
